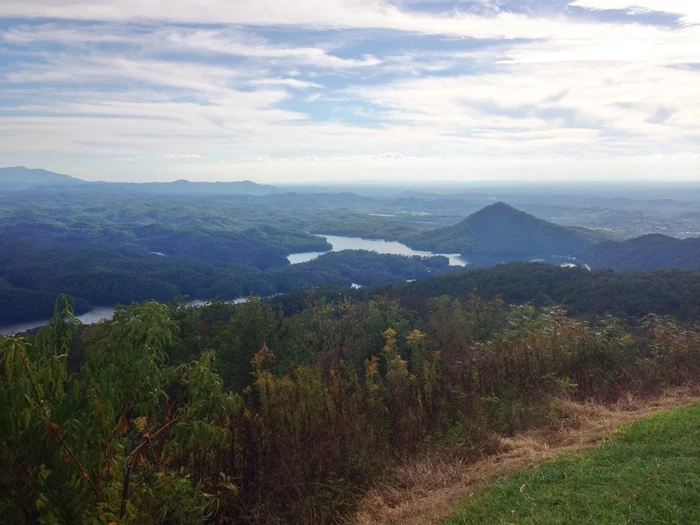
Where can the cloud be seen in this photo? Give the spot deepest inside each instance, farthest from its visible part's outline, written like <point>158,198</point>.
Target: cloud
<point>689,10</point>
<point>256,159</point>
<point>474,84</point>
<point>286,82</point>
<point>231,42</point>
<point>390,155</point>
<point>325,14</point>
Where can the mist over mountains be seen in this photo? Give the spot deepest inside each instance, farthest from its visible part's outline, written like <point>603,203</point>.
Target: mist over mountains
<point>18,178</point>
<point>21,178</point>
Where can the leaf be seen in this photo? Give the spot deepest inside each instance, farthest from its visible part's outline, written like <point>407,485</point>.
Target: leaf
<point>123,425</point>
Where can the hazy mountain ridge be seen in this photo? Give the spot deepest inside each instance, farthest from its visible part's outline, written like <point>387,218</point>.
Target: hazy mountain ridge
<point>253,227</point>
<point>22,177</point>
<point>186,187</point>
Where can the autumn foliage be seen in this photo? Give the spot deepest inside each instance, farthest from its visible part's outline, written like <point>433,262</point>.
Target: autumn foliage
<point>249,414</point>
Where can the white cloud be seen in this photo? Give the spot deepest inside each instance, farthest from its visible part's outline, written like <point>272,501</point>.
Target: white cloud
<point>286,82</point>
<point>601,92</point>
<point>475,168</point>
<point>328,14</point>
<point>688,9</point>
<point>156,38</point>
<point>390,155</point>
<point>256,159</point>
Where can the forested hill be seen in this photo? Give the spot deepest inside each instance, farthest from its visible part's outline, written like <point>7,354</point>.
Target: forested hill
<point>648,252</point>
<point>501,233</point>
<point>630,295</point>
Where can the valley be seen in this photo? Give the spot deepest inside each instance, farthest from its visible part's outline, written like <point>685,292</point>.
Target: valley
<point>258,339</point>
<point>117,243</point>
<point>370,262</point>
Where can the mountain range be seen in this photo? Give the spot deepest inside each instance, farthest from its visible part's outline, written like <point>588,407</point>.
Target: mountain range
<point>21,178</point>
<point>494,234</point>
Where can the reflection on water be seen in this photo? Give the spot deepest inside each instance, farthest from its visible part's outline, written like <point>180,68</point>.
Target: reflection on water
<point>297,258</point>
<point>340,243</point>
<point>97,314</point>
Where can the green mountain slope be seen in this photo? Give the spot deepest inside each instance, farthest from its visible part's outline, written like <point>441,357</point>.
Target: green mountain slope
<point>629,295</point>
<point>500,232</point>
<point>649,252</point>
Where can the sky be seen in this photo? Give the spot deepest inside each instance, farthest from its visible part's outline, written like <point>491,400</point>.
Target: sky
<point>351,90</point>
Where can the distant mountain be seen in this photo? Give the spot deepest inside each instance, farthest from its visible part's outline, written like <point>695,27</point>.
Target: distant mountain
<point>649,252</point>
<point>501,233</point>
<point>186,187</point>
<point>19,177</point>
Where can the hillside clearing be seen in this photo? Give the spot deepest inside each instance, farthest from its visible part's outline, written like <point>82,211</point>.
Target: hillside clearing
<point>427,491</point>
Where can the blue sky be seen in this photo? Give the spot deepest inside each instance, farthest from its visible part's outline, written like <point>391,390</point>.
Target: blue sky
<point>310,90</point>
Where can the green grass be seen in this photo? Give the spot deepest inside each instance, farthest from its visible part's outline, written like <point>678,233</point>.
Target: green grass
<point>648,474</point>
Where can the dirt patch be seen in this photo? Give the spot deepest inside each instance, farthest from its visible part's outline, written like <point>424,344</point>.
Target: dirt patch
<point>426,491</point>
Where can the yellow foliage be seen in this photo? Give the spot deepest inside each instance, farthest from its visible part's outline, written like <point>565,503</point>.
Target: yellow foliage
<point>265,355</point>
<point>415,337</point>
<point>141,423</point>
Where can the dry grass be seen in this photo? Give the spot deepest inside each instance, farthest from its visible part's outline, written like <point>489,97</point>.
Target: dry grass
<point>426,491</point>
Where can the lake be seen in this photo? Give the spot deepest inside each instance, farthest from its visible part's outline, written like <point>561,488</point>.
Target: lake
<point>97,314</point>
<point>340,243</point>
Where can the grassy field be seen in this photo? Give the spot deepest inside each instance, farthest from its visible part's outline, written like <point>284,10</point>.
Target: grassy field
<point>648,474</point>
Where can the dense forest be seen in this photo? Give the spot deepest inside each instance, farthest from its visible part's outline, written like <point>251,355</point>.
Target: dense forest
<point>287,409</point>
<point>583,293</point>
<point>650,252</point>
<point>110,276</point>
<point>107,247</point>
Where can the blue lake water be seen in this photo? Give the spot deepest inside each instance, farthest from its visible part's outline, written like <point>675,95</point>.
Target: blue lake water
<point>97,314</point>
<point>340,243</point>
